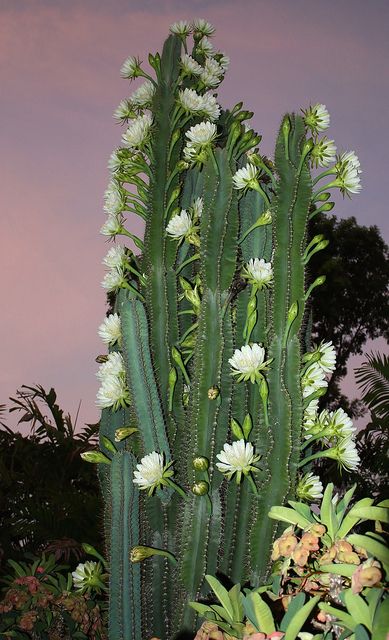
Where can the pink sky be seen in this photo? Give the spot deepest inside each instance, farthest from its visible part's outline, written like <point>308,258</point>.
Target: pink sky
<point>60,82</point>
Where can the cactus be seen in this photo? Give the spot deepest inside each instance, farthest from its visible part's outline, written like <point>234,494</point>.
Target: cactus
<point>206,337</point>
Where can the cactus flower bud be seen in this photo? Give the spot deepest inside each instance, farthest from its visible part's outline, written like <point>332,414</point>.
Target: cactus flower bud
<point>95,457</point>
<point>140,553</point>
<point>323,197</point>
<point>106,442</point>
<point>200,488</point>
<point>237,429</point>
<point>123,433</point>
<point>213,392</point>
<point>247,426</point>
<point>200,463</point>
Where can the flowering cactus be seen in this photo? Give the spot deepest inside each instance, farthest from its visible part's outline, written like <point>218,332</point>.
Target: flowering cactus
<point>210,390</point>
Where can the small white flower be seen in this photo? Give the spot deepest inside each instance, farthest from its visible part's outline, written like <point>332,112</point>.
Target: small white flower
<point>113,393</point>
<point>210,107</point>
<point>87,575</point>
<point>151,472</point>
<point>339,424</point>
<point>345,453</point>
<point>317,118</point>
<point>112,226</point>
<point>224,62</point>
<point>110,330</point>
<point>130,68</point>
<point>246,178</point>
<point>181,28</point>
<point>115,257</point>
<point>114,366</point>
<point>323,153</point>
<point>180,225</point>
<point>348,170</point>
<point>143,96</point>
<point>114,199</point>
<point>203,27</point>
<point>204,47</point>
<point>248,361</point>
<point>310,414</point>
<point>114,162</point>
<point>197,208</point>
<point>190,100</point>
<point>113,280</point>
<point>309,488</point>
<point>313,379</point>
<point>213,67</point>
<point>258,272</point>
<point>317,424</point>
<point>123,111</point>
<point>238,458</point>
<point>138,131</point>
<point>328,356</point>
<point>190,66</point>
<point>202,134</point>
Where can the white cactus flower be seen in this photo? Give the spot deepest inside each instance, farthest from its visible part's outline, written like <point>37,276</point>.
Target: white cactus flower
<point>210,107</point>
<point>114,162</point>
<point>328,356</point>
<point>87,575</point>
<point>114,199</point>
<point>151,472</point>
<point>190,100</point>
<point>238,458</point>
<point>213,67</point>
<point>114,366</point>
<point>181,28</point>
<point>143,95</point>
<point>113,280</point>
<point>258,272</point>
<point>339,424</point>
<point>180,225</point>
<point>112,226</point>
<point>248,362</point>
<point>202,26</point>
<point>138,131</point>
<point>110,329</point>
<point>323,153</point>
<point>202,134</point>
<point>190,66</point>
<point>130,68</point>
<point>197,208</point>
<point>347,173</point>
<point>123,111</point>
<point>317,118</point>
<point>224,62</point>
<point>246,177</point>
<point>115,257</point>
<point>345,453</point>
<point>309,488</point>
<point>113,393</point>
<point>313,379</point>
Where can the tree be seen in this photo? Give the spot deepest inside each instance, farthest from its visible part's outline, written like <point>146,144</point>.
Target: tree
<point>353,303</point>
<point>49,497</point>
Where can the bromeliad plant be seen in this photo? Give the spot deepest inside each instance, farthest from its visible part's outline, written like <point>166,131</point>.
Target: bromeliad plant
<point>209,393</point>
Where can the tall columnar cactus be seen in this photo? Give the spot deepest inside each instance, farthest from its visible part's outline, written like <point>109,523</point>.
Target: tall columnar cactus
<point>207,393</point>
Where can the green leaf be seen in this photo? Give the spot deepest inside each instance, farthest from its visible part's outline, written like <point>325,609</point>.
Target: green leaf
<point>259,613</point>
<point>340,615</point>
<point>345,570</point>
<point>222,613</point>
<point>17,568</point>
<point>380,622</point>
<point>327,512</point>
<point>299,618</point>
<point>289,515</point>
<point>203,609</point>
<point>351,520</point>
<point>236,631</point>
<point>361,633</point>
<point>301,508</point>
<point>236,597</point>
<point>373,547</point>
<point>295,604</point>
<point>344,502</point>
<point>371,513</point>
<point>357,608</point>
<point>221,594</point>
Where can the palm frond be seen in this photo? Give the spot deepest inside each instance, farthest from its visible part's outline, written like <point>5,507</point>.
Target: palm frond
<point>372,377</point>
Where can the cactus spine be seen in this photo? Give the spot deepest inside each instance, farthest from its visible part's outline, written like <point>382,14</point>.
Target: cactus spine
<point>187,304</point>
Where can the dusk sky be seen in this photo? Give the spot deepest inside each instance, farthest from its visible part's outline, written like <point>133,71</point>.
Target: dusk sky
<point>60,84</point>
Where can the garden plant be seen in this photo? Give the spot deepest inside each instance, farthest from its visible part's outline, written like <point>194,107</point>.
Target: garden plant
<point>211,387</point>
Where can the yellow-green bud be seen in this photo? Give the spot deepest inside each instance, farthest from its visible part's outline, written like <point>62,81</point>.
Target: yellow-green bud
<point>264,390</point>
<point>293,311</point>
<point>265,218</point>
<point>175,136</point>
<point>323,197</point>
<point>200,463</point>
<point>327,206</point>
<point>137,554</point>
<point>108,444</point>
<point>185,284</point>
<point>251,305</point>
<point>182,165</point>
<point>200,488</point>
<point>247,425</point>
<point>175,193</point>
<point>236,429</point>
<point>237,108</point>
<point>322,245</point>
<point>213,392</point>
<point>286,126</point>
<point>172,377</point>
<point>123,433</point>
<point>96,457</point>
